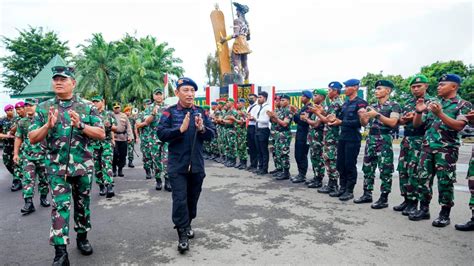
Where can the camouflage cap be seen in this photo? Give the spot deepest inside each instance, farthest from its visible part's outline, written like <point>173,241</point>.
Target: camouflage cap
<point>63,71</point>
<point>158,90</point>
<point>31,101</point>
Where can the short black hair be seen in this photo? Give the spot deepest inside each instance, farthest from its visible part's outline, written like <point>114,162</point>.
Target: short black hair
<point>264,94</point>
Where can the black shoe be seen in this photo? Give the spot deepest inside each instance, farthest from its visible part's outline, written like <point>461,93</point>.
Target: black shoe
<point>148,174</point>
<point>250,168</point>
<point>114,174</point>
<point>284,175</point>
<point>114,171</point>
<point>411,207</point>
<point>159,185</point>
<point>254,170</point>
<point>120,172</point>
<point>422,214</point>
<point>237,165</point>
<point>275,171</point>
<point>29,207</point>
<point>183,240</point>
<point>243,164</point>
<point>110,191</point>
<point>233,162</point>
<point>130,164</point>
<point>365,198</point>
<point>60,257</point>
<point>102,190</point>
<point>167,184</point>
<point>44,201</point>
<point>317,183</point>
<point>402,206</point>
<point>468,226</point>
<point>382,202</point>
<point>346,196</point>
<point>83,244</point>
<point>308,181</point>
<point>262,172</point>
<point>336,193</point>
<point>16,185</point>
<point>190,232</point>
<point>330,187</point>
<point>298,179</point>
<point>443,218</point>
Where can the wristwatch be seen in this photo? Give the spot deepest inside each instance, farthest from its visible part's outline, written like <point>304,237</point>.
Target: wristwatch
<point>377,116</point>
<point>81,126</point>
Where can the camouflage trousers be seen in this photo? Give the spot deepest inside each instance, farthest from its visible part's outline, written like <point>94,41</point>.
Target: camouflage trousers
<point>103,164</point>
<point>442,164</point>
<point>34,170</point>
<point>63,192</point>
<point>242,143</point>
<point>159,155</point>
<point>8,158</point>
<point>271,148</point>
<point>231,143</point>
<point>378,152</point>
<point>315,142</point>
<point>18,173</point>
<point>130,148</point>
<point>330,158</point>
<point>145,148</point>
<point>408,162</point>
<point>282,141</point>
<point>221,132</point>
<point>214,147</point>
<point>470,181</point>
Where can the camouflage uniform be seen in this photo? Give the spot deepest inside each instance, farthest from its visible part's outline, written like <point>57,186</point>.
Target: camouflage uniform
<point>282,139</point>
<point>33,163</point>
<point>219,129</point>
<point>231,135</point>
<point>18,172</point>
<point>470,182</point>
<point>378,148</point>
<point>131,145</point>
<point>271,144</point>
<point>5,126</point>
<point>331,136</point>
<point>103,151</point>
<point>315,142</point>
<point>145,141</point>
<point>242,137</point>
<point>439,153</point>
<point>214,145</point>
<point>77,186</point>
<point>159,149</point>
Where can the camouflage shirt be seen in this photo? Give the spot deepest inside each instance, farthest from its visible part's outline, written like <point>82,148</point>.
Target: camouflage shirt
<point>32,152</point>
<point>334,108</point>
<point>5,126</point>
<point>283,113</point>
<point>80,156</point>
<point>108,120</point>
<point>234,113</point>
<point>156,119</point>
<point>410,107</point>
<point>388,109</point>
<point>438,135</point>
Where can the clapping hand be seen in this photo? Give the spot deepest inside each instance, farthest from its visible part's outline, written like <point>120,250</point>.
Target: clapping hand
<point>75,118</point>
<point>185,124</point>
<point>52,117</point>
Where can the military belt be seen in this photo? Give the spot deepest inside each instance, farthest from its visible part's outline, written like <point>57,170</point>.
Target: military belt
<point>414,133</point>
<point>376,131</point>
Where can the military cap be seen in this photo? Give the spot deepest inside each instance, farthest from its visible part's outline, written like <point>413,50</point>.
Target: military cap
<point>31,101</point>
<point>307,94</point>
<point>213,103</point>
<point>264,94</point>
<point>186,81</point>
<point>336,85</point>
<point>116,105</point>
<point>206,107</point>
<point>127,108</point>
<point>221,101</point>
<point>285,96</point>
<point>96,98</point>
<point>146,101</point>
<point>8,107</point>
<point>241,100</point>
<point>384,83</point>
<point>451,78</point>
<point>231,100</point>
<point>158,90</point>
<point>418,79</point>
<point>63,71</point>
<point>352,82</point>
<point>322,92</point>
<point>19,104</point>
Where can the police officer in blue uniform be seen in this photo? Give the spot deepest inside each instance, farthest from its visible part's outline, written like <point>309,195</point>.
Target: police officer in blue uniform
<point>185,127</point>
<point>349,140</point>
<point>301,137</point>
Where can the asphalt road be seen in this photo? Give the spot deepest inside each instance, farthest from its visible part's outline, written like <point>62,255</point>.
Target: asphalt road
<point>242,219</point>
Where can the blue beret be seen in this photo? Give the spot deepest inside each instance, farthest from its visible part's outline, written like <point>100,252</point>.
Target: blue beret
<point>242,100</point>
<point>186,82</point>
<point>450,77</point>
<point>335,85</point>
<point>307,94</point>
<point>352,82</point>
<point>213,103</point>
<point>285,96</point>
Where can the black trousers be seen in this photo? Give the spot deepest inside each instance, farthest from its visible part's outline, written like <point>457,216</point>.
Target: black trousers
<point>347,152</point>
<point>252,146</point>
<point>185,194</point>
<point>261,141</point>
<point>120,154</point>
<point>301,156</point>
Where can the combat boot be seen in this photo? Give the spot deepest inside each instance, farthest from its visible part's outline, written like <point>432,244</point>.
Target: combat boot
<point>83,244</point>
<point>233,161</point>
<point>443,218</point>
<point>468,226</point>
<point>102,190</point>
<point>366,197</point>
<point>274,171</point>
<point>284,175</point>
<point>382,202</point>
<point>422,214</point>
<point>337,192</point>
<point>189,232</point>
<point>411,207</point>
<point>243,165</point>
<point>148,174</point>
<point>183,240</point>
<point>346,196</point>
<point>29,207</point>
<point>44,201</point>
<point>114,171</point>
<point>60,257</point>
<point>402,205</point>
<point>120,172</point>
<point>158,186</point>
<point>130,164</point>
<point>298,179</point>
<point>309,181</point>
<point>110,191</point>
<point>16,185</point>
<point>167,184</point>
<point>317,183</point>
<point>331,186</point>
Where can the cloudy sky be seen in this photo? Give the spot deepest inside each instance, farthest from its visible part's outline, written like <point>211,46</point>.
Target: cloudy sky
<point>296,44</point>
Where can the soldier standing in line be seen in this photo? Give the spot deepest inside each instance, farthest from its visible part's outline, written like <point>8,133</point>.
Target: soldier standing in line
<point>440,148</point>
<point>219,129</point>
<point>33,161</point>
<point>68,123</point>
<point>122,136</point>
<point>214,147</point>
<point>8,137</point>
<point>241,135</point>
<point>271,141</point>
<point>144,132</point>
<point>230,120</point>
<point>282,118</point>
<point>18,167</point>
<point>131,146</point>
<point>301,138</point>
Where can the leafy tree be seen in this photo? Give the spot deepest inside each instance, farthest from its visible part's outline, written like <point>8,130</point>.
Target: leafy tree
<point>213,72</point>
<point>400,93</point>
<point>30,52</point>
